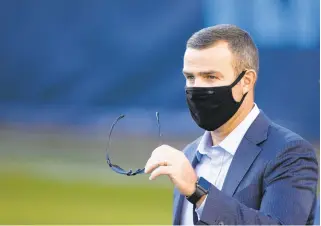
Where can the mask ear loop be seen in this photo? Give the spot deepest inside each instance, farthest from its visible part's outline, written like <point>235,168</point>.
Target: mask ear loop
<point>241,75</point>
<point>241,101</point>
<point>237,81</point>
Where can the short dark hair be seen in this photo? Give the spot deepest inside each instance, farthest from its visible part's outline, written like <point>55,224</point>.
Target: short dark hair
<point>240,43</point>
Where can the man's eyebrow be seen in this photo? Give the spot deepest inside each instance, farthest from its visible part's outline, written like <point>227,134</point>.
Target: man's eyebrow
<point>187,73</point>
<point>210,72</point>
<point>203,73</point>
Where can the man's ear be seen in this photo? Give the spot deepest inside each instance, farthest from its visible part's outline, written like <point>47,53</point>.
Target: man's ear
<point>249,80</point>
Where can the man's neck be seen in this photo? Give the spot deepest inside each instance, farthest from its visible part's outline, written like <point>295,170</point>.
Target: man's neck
<point>221,133</point>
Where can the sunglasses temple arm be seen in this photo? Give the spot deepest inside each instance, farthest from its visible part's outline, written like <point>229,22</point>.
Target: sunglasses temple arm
<point>159,129</point>
<point>109,136</point>
<point>130,173</point>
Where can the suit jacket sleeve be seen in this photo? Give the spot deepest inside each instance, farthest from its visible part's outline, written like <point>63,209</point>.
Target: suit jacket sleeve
<point>290,183</point>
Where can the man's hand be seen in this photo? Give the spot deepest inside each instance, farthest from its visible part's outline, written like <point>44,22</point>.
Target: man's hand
<point>166,160</point>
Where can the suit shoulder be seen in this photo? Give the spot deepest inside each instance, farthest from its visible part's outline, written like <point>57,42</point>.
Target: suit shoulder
<point>281,140</point>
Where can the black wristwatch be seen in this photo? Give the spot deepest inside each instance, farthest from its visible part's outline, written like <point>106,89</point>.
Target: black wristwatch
<point>202,188</point>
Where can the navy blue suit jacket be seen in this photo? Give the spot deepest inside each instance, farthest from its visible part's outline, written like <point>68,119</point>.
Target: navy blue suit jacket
<point>272,180</point>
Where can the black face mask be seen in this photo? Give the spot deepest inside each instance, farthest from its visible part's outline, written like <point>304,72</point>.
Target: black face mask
<point>211,107</point>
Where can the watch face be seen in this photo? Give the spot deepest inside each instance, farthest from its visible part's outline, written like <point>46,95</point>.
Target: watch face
<point>204,183</point>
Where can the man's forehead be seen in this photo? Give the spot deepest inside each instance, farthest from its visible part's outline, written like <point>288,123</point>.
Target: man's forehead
<point>213,57</point>
<point>219,49</point>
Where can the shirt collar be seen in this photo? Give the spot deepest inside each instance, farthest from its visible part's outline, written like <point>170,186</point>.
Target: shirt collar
<point>233,140</point>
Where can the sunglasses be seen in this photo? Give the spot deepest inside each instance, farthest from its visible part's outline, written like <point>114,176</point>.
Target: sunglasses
<point>117,168</point>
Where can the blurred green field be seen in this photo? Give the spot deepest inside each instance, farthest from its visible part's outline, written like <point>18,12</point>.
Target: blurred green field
<point>26,199</point>
<point>61,177</point>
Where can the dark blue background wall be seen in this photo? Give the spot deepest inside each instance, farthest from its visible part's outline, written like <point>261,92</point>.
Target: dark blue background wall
<point>68,60</point>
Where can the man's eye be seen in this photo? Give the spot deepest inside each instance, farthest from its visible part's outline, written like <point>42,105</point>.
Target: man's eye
<point>210,77</point>
<point>190,77</point>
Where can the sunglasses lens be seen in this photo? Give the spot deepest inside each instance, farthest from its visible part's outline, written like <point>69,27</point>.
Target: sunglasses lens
<point>117,168</point>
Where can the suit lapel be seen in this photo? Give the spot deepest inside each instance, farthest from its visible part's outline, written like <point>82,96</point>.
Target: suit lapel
<point>242,160</point>
<point>246,153</point>
<point>178,198</point>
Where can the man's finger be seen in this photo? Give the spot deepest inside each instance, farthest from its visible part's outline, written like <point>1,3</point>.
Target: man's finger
<point>162,170</point>
<point>148,164</point>
<point>153,164</point>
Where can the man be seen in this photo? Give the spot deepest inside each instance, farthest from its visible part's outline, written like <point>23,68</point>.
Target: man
<point>245,169</point>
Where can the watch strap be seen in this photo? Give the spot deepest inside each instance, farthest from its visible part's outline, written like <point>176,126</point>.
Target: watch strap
<point>202,187</point>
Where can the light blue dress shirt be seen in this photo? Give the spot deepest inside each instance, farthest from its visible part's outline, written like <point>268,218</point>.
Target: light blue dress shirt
<point>216,160</point>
